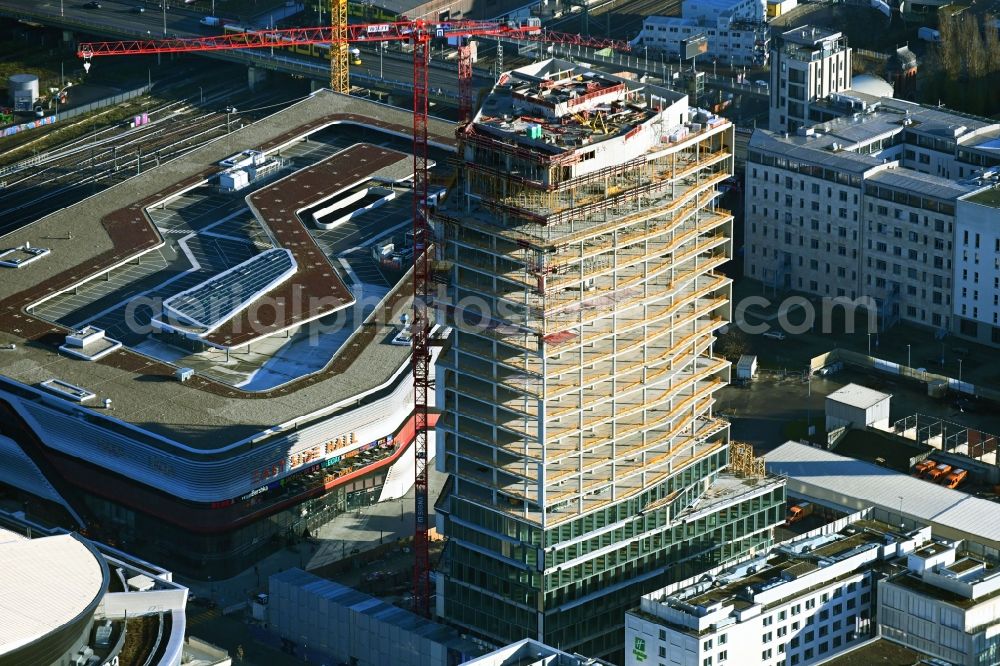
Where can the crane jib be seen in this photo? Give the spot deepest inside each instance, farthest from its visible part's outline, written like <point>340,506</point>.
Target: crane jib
<point>240,38</point>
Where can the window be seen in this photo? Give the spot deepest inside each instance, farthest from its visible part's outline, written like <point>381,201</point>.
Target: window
<point>769,619</point>
<point>796,609</point>
<point>723,655</point>
<point>766,638</point>
<point>707,661</point>
<point>663,635</point>
<point>707,645</point>
<point>663,651</point>
<point>766,654</point>
<point>782,616</point>
<point>722,639</point>
<point>782,631</point>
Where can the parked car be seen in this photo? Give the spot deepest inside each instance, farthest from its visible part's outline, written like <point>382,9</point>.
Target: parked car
<point>139,10</point>
<point>93,5</point>
<point>775,335</point>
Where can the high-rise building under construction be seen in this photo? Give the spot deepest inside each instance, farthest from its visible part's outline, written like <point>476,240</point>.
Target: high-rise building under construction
<point>582,252</point>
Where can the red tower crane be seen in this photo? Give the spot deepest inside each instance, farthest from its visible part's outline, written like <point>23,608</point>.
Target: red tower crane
<point>419,34</point>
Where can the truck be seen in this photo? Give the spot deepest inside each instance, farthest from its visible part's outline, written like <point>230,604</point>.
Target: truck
<point>938,472</point>
<point>798,512</point>
<point>923,467</point>
<point>929,34</point>
<point>954,478</point>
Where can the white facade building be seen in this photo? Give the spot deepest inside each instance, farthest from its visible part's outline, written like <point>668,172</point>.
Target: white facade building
<point>857,406</point>
<point>797,605</point>
<point>864,205</point>
<point>977,266</point>
<point>807,65</point>
<point>944,604</point>
<point>736,30</point>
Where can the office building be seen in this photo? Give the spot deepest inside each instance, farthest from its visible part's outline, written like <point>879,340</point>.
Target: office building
<point>798,604</point>
<point>322,621</point>
<point>587,464</point>
<point>946,604</point>
<point>848,484</point>
<point>736,32</point>
<point>808,64</point>
<point>867,204</point>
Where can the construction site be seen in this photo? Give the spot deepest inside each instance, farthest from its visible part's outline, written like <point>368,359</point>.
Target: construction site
<point>581,251</point>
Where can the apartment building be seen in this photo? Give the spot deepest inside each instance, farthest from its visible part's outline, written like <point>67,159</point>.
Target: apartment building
<point>587,466</point>
<point>736,31</point>
<point>945,604</point>
<point>977,266</point>
<point>808,64</point>
<point>798,604</point>
<point>865,205</point>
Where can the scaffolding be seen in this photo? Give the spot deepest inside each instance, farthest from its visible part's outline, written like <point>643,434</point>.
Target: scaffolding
<point>589,234</point>
<point>743,463</point>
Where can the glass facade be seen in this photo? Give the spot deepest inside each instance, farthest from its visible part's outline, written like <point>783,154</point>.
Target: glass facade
<point>501,599</point>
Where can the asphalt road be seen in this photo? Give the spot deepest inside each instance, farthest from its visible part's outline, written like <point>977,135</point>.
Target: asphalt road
<point>118,19</point>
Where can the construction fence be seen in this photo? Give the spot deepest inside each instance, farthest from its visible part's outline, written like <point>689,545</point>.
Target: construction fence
<point>101,103</point>
<point>865,362</point>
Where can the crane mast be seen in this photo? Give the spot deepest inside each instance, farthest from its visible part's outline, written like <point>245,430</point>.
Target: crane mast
<point>340,79</point>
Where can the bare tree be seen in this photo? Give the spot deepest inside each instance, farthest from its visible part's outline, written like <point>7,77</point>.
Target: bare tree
<point>950,48</point>
<point>976,58</point>
<point>991,43</point>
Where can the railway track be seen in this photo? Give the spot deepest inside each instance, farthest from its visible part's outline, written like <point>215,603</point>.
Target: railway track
<point>109,156</point>
<point>625,17</point>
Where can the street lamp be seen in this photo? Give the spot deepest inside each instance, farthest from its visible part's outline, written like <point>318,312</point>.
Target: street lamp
<point>902,524</point>
<point>909,363</point>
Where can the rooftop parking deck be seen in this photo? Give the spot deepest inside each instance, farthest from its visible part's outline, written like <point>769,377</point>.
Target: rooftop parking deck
<point>93,239</point>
